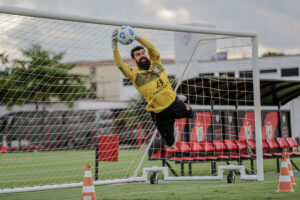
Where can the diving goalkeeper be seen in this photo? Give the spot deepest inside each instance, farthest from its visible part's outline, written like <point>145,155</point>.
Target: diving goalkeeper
<point>152,82</point>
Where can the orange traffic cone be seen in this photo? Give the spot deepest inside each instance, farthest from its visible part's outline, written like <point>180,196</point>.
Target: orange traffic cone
<point>291,169</point>
<point>88,189</point>
<point>285,184</point>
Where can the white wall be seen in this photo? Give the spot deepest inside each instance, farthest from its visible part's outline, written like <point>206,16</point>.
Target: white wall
<point>295,115</point>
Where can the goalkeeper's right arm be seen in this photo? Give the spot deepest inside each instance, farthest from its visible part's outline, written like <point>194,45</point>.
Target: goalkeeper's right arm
<point>124,68</point>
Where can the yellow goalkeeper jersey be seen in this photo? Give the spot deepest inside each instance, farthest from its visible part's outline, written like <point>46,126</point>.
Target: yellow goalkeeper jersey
<point>153,84</point>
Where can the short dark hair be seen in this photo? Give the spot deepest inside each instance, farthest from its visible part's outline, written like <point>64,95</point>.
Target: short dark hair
<point>135,49</point>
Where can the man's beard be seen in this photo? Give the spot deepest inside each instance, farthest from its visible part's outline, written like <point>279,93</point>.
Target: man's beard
<point>143,65</point>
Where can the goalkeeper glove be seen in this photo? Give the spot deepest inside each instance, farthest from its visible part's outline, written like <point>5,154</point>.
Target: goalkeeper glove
<point>114,40</point>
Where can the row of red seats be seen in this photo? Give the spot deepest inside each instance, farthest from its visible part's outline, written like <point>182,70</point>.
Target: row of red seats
<point>226,149</point>
<point>275,147</point>
<point>205,150</point>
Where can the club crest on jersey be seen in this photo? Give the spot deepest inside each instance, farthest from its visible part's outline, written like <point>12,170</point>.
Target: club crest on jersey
<point>155,69</point>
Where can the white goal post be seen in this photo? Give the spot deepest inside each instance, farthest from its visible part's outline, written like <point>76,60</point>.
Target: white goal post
<point>230,41</point>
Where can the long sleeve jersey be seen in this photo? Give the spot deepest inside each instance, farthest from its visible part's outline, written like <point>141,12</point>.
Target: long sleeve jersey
<point>152,84</point>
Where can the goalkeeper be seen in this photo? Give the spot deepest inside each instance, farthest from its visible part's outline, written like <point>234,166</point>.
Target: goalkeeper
<point>152,82</point>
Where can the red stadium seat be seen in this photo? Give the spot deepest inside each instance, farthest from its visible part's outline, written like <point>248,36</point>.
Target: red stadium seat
<point>251,143</point>
<point>183,146</point>
<point>265,145</point>
<point>231,145</point>
<point>195,146</point>
<point>242,146</point>
<point>157,155</point>
<point>207,149</point>
<point>220,148</point>
<point>219,145</point>
<point>233,148</point>
<point>179,146</point>
<point>282,143</point>
<point>291,142</point>
<point>207,146</point>
<point>265,149</point>
<point>273,146</point>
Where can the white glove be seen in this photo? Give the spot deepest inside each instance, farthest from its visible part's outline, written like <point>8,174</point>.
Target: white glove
<point>114,40</point>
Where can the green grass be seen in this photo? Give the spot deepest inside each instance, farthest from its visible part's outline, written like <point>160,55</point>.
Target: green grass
<point>174,190</point>
<point>35,168</point>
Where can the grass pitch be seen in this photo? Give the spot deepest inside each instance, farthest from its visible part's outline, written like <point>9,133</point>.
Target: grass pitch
<point>16,170</point>
<point>173,190</point>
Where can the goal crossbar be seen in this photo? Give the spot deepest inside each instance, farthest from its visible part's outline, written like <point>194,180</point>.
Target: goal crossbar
<point>103,21</point>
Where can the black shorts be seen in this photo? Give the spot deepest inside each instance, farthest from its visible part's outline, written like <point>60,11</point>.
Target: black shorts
<point>165,120</point>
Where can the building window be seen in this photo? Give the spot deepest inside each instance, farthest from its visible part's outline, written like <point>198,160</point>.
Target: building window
<point>246,74</point>
<point>127,82</point>
<point>267,71</point>
<point>227,74</point>
<point>206,75</point>
<point>94,86</point>
<point>290,72</point>
<point>92,70</point>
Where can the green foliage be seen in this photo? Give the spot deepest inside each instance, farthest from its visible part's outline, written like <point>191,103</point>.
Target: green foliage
<point>270,54</point>
<point>134,113</point>
<point>41,78</point>
<point>4,58</point>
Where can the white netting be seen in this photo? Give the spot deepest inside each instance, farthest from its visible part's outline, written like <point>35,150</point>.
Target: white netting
<point>58,110</point>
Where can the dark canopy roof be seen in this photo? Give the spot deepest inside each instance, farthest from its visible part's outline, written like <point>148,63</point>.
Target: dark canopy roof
<point>230,91</point>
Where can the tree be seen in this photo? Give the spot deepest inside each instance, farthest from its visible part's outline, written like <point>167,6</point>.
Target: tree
<point>135,113</point>
<point>270,54</point>
<point>40,78</point>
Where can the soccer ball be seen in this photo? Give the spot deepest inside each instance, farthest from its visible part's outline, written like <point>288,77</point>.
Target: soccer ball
<point>125,35</point>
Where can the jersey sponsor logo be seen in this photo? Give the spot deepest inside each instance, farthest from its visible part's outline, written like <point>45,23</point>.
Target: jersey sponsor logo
<point>160,86</point>
<point>159,83</point>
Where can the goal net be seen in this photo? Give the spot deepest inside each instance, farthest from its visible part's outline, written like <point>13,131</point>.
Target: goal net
<point>64,103</point>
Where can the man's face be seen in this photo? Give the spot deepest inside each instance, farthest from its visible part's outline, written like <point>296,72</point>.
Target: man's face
<point>141,59</point>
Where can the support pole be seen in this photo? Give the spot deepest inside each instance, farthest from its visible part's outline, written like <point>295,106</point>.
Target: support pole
<point>257,110</point>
